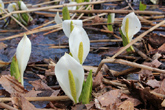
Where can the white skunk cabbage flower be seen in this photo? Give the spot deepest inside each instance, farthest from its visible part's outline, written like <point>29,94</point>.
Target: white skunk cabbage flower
<point>23,6</point>
<point>130,26</point>
<point>23,52</point>
<point>72,7</point>
<point>66,25</point>
<point>13,7</point>
<point>154,1</point>
<point>79,44</point>
<point>70,75</point>
<point>1,5</point>
<point>58,19</point>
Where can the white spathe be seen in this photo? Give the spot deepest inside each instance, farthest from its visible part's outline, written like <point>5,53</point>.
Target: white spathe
<point>72,7</point>
<point>79,35</point>
<point>12,7</point>
<point>1,5</point>
<point>66,26</point>
<point>23,52</point>
<point>154,1</point>
<point>62,67</point>
<point>134,25</point>
<point>58,19</point>
<point>112,17</point>
<point>23,5</point>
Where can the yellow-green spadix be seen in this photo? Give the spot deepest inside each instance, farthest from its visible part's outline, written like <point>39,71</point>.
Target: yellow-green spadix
<point>79,44</point>
<point>13,7</point>
<point>66,26</point>
<point>70,75</point>
<point>130,25</point>
<point>23,52</point>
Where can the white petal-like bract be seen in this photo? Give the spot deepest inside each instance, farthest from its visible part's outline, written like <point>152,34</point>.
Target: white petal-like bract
<point>23,6</point>
<point>23,52</point>
<point>62,67</point>
<point>66,25</point>
<point>134,25</point>
<point>58,19</point>
<point>112,17</point>
<point>12,7</point>
<point>79,35</point>
<point>2,4</point>
<point>72,7</point>
<point>154,1</point>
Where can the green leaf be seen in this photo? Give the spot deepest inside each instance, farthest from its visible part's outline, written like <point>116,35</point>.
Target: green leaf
<point>65,13</point>
<point>25,17</point>
<point>19,5</point>
<point>81,96</point>
<point>110,26</point>
<point>87,89</point>
<point>142,6</point>
<point>14,69</point>
<point>125,41</point>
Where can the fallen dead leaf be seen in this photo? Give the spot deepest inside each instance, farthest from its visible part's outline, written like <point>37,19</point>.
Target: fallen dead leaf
<point>126,105</point>
<point>20,102</point>
<point>78,107</point>
<point>39,85</point>
<point>162,48</point>
<point>156,56</point>
<point>44,88</point>
<point>163,103</point>
<point>55,93</point>
<point>90,105</point>
<point>162,87</point>
<point>156,40</point>
<point>11,85</point>
<point>153,83</point>
<point>143,95</point>
<point>32,93</point>
<point>135,101</point>
<point>110,98</point>
<point>144,74</point>
<point>156,63</point>
<point>97,104</point>
<point>98,79</point>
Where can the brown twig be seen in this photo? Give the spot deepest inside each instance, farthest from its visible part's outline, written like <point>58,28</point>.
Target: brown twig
<point>58,6</point>
<point>110,11</point>
<point>124,62</point>
<point>126,72</point>
<point>106,81</point>
<point>144,56</point>
<point>3,105</point>
<point>45,3</point>
<point>40,98</point>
